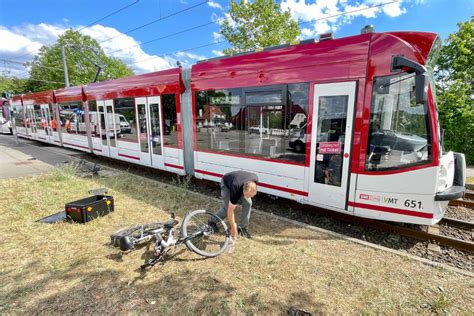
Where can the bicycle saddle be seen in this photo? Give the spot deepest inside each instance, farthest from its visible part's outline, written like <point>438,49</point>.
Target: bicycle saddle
<point>170,223</point>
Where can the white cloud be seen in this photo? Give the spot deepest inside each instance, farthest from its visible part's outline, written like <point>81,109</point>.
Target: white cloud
<point>217,52</point>
<point>312,13</point>
<point>217,36</point>
<point>26,40</point>
<point>130,55</point>
<point>214,4</point>
<point>187,59</point>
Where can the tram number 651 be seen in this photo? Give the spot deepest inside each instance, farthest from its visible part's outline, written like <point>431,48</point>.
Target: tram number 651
<point>413,204</point>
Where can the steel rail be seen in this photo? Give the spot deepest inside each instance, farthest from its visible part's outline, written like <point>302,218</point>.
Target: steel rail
<point>420,234</point>
<point>459,244</point>
<point>465,203</point>
<point>469,195</point>
<point>453,222</point>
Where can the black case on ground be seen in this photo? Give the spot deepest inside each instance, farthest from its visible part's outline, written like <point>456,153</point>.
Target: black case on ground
<point>85,210</point>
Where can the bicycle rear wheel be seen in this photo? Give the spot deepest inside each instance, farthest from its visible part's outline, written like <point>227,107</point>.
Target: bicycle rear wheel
<point>202,238</point>
<point>133,232</point>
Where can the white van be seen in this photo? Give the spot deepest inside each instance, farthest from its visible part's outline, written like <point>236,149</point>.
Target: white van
<point>110,126</point>
<point>125,126</point>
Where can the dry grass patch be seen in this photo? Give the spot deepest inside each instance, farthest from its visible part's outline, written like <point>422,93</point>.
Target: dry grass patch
<point>69,268</point>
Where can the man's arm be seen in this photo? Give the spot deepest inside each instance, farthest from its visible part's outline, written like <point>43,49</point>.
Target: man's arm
<point>231,218</point>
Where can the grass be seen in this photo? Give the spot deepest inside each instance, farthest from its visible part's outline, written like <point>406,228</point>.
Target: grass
<point>70,268</point>
<point>470,180</point>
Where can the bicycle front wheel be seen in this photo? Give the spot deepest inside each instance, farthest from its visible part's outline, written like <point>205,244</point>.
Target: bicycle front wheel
<point>204,239</point>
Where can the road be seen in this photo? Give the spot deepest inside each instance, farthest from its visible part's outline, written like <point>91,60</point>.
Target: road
<point>29,157</point>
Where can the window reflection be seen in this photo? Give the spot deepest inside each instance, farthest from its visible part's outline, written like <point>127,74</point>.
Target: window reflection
<point>19,118</point>
<point>331,131</point>
<point>71,116</point>
<point>94,119</point>
<point>142,127</point>
<point>399,133</point>
<point>269,122</point>
<point>169,120</point>
<point>125,117</point>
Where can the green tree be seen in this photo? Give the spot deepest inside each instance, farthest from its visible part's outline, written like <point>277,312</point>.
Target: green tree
<point>259,24</point>
<point>81,53</point>
<point>12,85</point>
<point>455,89</point>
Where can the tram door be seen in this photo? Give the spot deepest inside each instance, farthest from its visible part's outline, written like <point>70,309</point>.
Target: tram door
<point>30,121</point>
<point>46,122</point>
<point>55,124</point>
<point>333,110</point>
<point>108,128</point>
<point>150,131</point>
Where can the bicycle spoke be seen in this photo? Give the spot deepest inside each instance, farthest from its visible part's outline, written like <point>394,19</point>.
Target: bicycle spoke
<point>206,241</point>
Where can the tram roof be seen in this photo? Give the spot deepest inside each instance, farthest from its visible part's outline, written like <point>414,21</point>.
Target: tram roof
<point>43,97</point>
<point>155,83</point>
<point>327,60</point>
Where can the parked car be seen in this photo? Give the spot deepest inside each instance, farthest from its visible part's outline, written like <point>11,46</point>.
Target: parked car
<point>124,124</point>
<point>258,130</point>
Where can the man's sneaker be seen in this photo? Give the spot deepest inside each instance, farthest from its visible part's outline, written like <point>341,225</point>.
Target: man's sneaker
<point>213,226</point>
<point>244,232</point>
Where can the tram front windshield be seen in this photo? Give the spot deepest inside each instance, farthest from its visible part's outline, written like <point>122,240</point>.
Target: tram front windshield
<point>399,133</point>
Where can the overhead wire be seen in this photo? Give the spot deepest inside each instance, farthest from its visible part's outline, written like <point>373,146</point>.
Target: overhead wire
<point>41,80</point>
<point>219,42</point>
<point>163,37</point>
<point>155,21</point>
<point>348,12</point>
<point>203,25</point>
<point>26,66</point>
<point>108,15</point>
<point>181,50</point>
<point>89,25</point>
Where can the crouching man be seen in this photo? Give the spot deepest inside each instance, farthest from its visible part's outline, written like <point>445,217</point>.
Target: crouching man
<point>237,187</point>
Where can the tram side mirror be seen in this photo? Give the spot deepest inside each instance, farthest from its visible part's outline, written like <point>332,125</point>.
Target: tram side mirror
<point>421,83</point>
<point>421,77</point>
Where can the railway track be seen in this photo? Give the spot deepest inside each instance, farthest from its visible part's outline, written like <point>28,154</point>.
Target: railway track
<point>430,234</point>
<point>467,201</point>
<point>469,195</point>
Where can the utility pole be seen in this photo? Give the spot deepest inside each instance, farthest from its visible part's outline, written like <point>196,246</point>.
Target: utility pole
<point>66,76</point>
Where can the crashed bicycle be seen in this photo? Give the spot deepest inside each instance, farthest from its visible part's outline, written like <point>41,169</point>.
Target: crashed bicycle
<point>202,232</point>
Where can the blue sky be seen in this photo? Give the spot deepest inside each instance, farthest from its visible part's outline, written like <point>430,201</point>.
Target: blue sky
<point>27,25</point>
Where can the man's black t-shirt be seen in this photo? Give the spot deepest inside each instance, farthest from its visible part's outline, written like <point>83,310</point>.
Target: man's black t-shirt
<point>235,181</point>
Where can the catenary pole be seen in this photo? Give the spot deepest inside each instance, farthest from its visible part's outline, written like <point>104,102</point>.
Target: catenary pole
<point>66,76</point>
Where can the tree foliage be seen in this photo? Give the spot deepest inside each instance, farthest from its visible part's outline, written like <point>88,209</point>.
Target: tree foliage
<point>257,24</point>
<point>81,53</point>
<point>455,89</point>
<point>12,85</point>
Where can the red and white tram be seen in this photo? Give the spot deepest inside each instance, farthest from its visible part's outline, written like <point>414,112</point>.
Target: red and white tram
<point>347,124</point>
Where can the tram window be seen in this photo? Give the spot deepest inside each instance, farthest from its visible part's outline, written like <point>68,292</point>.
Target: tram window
<point>268,122</point>
<point>38,121</point>
<point>71,118</point>
<point>52,114</point>
<point>399,133</point>
<point>169,120</point>
<point>142,127</point>
<point>19,119</point>
<point>125,115</point>
<point>332,118</point>
<point>94,119</point>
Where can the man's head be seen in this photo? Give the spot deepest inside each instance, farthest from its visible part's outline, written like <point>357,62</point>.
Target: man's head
<point>250,189</point>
